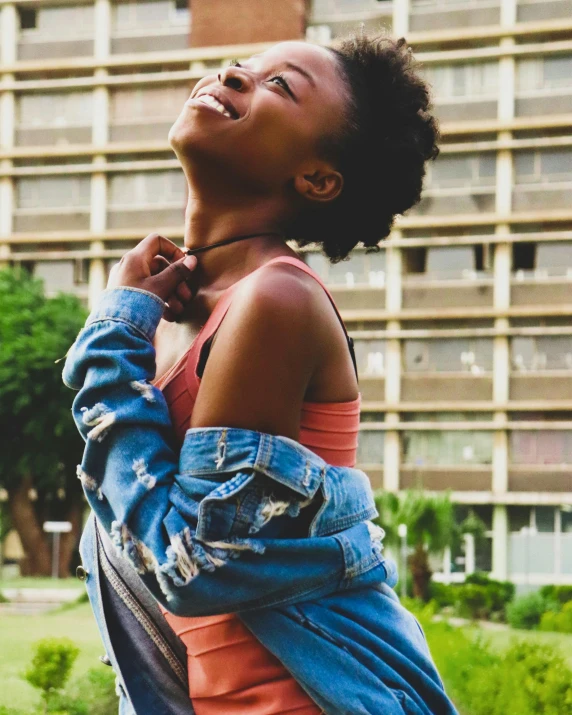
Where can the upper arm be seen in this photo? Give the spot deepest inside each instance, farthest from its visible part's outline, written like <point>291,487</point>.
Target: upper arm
<point>263,357</point>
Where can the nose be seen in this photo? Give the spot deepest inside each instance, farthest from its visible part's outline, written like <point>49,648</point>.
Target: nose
<point>235,78</point>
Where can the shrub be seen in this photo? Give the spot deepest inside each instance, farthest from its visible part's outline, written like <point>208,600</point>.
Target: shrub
<point>561,594</point>
<point>93,694</point>
<point>526,611</point>
<point>473,601</point>
<point>526,679</point>
<point>500,592</point>
<point>51,666</point>
<point>442,594</point>
<point>560,621</point>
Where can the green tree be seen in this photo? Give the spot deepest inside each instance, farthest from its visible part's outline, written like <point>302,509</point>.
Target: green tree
<point>40,446</point>
<point>430,528</point>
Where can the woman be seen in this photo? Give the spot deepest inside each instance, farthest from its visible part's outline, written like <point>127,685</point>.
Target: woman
<point>305,142</point>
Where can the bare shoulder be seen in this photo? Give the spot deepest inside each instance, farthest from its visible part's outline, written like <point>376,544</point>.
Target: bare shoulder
<point>275,294</point>
<point>264,355</point>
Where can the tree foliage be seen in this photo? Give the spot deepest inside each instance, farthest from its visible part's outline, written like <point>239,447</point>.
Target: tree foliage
<point>35,423</point>
<point>40,446</point>
<point>431,526</point>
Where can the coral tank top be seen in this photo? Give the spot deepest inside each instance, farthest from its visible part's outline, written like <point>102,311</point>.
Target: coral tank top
<point>230,671</point>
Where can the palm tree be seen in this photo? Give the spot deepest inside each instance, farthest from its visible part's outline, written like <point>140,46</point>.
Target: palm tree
<point>430,528</point>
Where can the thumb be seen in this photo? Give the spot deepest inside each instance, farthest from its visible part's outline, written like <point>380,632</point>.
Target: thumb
<point>165,283</point>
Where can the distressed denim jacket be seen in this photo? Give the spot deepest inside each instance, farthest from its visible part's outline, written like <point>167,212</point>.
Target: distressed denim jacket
<point>222,527</point>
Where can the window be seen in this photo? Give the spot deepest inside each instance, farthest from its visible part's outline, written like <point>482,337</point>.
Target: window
<point>414,260</point>
<point>523,256</point>
<point>370,356</point>
<point>449,262</point>
<point>28,18</point>
<point>149,15</point>
<point>463,80</point>
<point>557,257</point>
<point>145,103</point>
<point>550,72</point>
<point>53,192</point>
<point>466,170</point>
<point>360,268</point>
<point>59,22</point>
<point>55,109</point>
<point>544,517</point>
<point>541,447</point>
<point>566,519</point>
<point>474,355</point>
<point>442,448</point>
<point>541,353</point>
<point>371,444</point>
<point>129,190</point>
<point>519,516</point>
<point>544,165</point>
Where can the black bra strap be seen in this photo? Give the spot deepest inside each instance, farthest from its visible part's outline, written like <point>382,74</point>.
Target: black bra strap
<point>352,351</point>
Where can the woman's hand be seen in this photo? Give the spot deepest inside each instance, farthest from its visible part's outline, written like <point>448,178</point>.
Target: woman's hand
<point>158,266</point>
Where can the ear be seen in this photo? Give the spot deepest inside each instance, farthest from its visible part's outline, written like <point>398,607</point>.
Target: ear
<point>320,184</point>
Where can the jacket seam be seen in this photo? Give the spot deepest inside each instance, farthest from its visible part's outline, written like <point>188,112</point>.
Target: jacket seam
<point>119,319</point>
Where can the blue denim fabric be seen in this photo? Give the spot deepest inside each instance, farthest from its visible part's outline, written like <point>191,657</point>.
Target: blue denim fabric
<point>214,530</point>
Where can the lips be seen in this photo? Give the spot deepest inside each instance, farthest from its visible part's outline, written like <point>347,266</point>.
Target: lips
<point>216,100</point>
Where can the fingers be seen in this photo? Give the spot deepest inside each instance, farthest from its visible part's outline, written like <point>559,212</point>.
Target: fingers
<point>166,283</point>
<point>158,264</point>
<point>184,293</point>
<point>156,245</point>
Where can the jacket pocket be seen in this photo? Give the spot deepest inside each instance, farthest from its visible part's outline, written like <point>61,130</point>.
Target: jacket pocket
<point>245,504</point>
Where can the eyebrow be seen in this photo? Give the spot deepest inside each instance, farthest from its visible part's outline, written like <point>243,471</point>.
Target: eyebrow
<point>295,68</point>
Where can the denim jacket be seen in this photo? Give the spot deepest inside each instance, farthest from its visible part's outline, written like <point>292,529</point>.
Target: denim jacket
<point>243,522</point>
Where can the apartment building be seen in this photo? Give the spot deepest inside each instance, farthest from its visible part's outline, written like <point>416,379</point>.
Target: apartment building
<point>462,323</point>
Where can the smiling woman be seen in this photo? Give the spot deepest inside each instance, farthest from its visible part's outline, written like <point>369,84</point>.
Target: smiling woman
<point>221,459</point>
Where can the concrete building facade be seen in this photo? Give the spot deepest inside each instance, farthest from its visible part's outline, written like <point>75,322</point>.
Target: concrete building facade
<point>462,322</point>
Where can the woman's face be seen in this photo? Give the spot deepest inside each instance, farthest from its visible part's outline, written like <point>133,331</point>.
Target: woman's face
<point>280,102</point>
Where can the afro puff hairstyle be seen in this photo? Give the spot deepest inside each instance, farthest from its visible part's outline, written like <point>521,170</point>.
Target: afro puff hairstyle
<point>388,136</point>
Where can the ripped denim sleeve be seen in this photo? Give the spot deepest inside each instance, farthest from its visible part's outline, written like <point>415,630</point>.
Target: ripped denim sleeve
<point>200,539</point>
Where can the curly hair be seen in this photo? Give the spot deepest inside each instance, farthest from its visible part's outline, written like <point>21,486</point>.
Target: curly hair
<point>388,135</point>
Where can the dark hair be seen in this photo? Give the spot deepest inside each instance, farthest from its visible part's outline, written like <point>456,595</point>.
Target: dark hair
<point>388,136</point>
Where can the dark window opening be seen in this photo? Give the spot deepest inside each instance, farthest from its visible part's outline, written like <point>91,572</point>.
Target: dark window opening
<point>182,4</point>
<point>415,260</point>
<point>523,256</point>
<point>28,18</point>
<point>483,258</point>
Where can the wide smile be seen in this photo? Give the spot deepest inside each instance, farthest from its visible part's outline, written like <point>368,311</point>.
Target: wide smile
<point>211,102</point>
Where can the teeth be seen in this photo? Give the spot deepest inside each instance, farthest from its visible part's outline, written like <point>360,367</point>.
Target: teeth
<point>215,104</point>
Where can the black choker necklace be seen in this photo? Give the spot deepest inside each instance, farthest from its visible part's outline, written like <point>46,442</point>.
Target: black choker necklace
<point>226,241</point>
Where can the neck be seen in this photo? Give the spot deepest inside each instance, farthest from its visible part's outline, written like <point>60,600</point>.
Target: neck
<point>209,222</point>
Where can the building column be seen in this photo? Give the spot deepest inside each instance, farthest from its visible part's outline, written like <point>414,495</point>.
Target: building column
<point>500,542</point>
<point>100,138</point>
<point>400,25</point>
<point>392,446</point>
<point>502,279</point>
<point>8,44</point>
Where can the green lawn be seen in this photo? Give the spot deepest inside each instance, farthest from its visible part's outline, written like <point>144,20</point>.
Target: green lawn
<point>501,639</point>
<point>34,582</point>
<point>19,633</point>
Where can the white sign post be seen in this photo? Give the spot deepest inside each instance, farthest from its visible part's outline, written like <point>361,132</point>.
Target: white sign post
<point>402,533</point>
<point>56,528</point>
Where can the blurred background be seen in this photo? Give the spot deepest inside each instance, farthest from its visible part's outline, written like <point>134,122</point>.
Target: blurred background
<point>461,323</point>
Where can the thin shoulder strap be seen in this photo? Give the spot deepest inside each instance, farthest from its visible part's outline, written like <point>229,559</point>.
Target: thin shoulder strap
<point>299,263</point>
